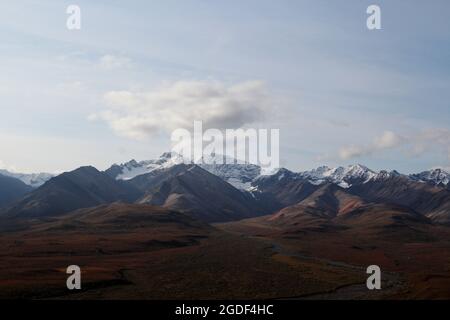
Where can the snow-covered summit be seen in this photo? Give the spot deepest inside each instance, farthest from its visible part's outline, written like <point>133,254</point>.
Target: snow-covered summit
<point>438,177</point>
<point>342,176</point>
<point>133,168</point>
<point>237,173</point>
<point>32,179</point>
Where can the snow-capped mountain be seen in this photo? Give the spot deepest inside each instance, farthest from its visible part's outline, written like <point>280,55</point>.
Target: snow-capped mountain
<point>131,169</point>
<point>237,173</point>
<point>344,177</point>
<point>357,174</point>
<point>385,175</point>
<point>438,177</point>
<point>32,179</point>
<point>280,176</point>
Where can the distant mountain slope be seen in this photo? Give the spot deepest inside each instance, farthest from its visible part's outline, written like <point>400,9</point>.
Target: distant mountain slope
<point>431,201</point>
<point>81,188</point>
<point>11,189</point>
<point>333,209</point>
<point>318,209</point>
<point>333,201</point>
<point>284,188</point>
<point>123,217</point>
<point>115,230</point>
<point>193,190</point>
<point>289,187</point>
<point>32,179</point>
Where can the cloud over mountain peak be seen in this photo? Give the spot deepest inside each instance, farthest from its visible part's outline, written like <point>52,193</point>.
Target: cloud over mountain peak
<point>139,115</point>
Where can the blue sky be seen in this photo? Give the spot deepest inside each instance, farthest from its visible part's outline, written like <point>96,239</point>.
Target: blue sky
<point>339,93</point>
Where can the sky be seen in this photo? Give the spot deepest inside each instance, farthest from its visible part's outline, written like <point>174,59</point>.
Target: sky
<point>136,70</point>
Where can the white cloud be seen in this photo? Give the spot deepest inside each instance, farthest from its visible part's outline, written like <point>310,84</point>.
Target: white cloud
<point>139,115</point>
<point>349,152</point>
<point>436,139</point>
<point>387,140</point>
<point>110,62</point>
<point>432,137</point>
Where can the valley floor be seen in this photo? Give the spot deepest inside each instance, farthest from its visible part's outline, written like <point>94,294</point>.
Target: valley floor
<point>418,269</point>
<point>239,260</point>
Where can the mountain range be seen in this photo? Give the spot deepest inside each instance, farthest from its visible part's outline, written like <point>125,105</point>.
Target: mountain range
<point>217,192</point>
<point>332,208</point>
<point>81,188</point>
<point>238,173</point>
<point>241,174</point>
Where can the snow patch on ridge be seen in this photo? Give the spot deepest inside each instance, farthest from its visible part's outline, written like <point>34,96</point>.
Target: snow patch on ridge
<point>435,176</point>
<point>34,180</point>
<point>344,177</point>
